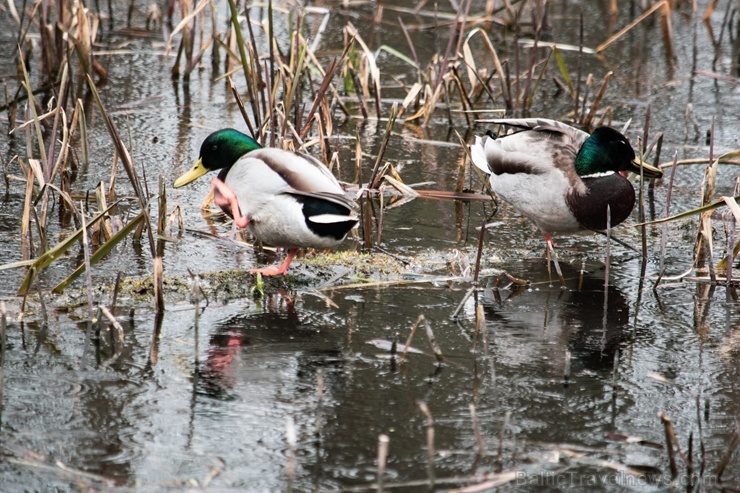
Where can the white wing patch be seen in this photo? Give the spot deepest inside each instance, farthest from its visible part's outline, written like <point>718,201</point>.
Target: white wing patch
<point>330,218</point>
<point>478,155</point>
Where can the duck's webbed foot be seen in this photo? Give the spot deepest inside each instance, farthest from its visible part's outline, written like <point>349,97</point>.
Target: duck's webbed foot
<point>227,200</point>
<point>275,270</point>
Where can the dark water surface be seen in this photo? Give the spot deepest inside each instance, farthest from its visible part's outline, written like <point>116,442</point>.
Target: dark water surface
<point>225,390</point>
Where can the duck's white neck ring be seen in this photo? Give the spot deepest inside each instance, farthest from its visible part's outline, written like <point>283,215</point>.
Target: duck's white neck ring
<point>600,174</point>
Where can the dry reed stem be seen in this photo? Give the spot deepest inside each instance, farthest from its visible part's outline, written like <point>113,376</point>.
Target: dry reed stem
<point>320,386</point>
<point>158,276</point>
<point>128,164</point>
<point>369,58</point>
<point>504,426</point>
<point>725,265</point>
<point>407,345</point>
<point>477,431</point>
<point>667,29</point>
<point>588,121</point>
<point>725,459</point>
<point>383,442</point>
<point>88,278</point>
<point>3,329</point>
<point>663,228</point>
<point>103,250</point>
<point>709,10</point>
<point>242,109</point>
<point>603,46</point>
<point>432,340</point>
<point>374,181</point>
<point>118,350</point>
<point>292,440</point>
<point>496,63</point>
<point>429,421</point>
<point>46,258</point>
<point>671,442</point>
<point>480,326</point>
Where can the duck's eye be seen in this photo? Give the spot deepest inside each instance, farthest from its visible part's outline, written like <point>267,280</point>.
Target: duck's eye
<point>623,144</point>
<point>214,148</point>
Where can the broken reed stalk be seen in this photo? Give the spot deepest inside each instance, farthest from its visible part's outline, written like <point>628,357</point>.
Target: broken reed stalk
<point>432,340</point>
<point>243,58</point>
<point>3,327</point>
<point>88,276</point>
<point>195,293</point>
<point>537,20</point>
<point>408,340</point>
<point>153,356</point>
<point>476,431</point>
<point>629,26</point>
<point>479,254</point>
<point>672,446</point>
<point>464,299</point>
<point>579,67</point>
<point>480,325</point>
<point>664,226</point>
<point>430,441</point>
<point>722,465</point>
<point>608,247</point>
<point>383,442</point>
<point>379,219</point>
<point>504,426</point>
<point>589,119</point>
<point>294,79</point>
<point>731,235</point>
<point>127,162</point>
<point>291,438</point>
<point>242,109</point>
<point>708,187</point>
<point>118,349</point>
<point>702,449</point>
<point>42,303</point>
<point>374,181</point>
<point>140,193</point>
<point>319,404</point>
<point>615,371</point>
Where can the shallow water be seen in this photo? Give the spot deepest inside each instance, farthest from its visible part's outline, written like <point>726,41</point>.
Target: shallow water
<point>209,403</point>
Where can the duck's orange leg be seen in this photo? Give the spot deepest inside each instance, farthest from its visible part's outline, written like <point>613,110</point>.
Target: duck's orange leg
<point>275,270</point>
<point>551,256</point>
<point>226,198</point>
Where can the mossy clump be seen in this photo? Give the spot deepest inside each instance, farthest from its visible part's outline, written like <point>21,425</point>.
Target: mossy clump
<point>311,270</point>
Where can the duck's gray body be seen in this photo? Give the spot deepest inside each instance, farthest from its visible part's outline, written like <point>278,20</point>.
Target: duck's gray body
<point>534,170</point>
<point>290,200</point>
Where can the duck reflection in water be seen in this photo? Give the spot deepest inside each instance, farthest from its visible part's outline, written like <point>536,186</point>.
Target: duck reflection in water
<point>263,344</point>
<point>588,322</point>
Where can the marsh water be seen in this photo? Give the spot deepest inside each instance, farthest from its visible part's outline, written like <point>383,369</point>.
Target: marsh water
<point>555,379</point>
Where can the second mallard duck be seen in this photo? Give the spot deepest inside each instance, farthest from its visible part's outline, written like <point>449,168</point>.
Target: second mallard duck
<point>286,199</point>
<point>560,177</point>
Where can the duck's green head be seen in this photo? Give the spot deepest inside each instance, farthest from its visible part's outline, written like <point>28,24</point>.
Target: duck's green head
<point>221,149</point>
<point>607,150</point>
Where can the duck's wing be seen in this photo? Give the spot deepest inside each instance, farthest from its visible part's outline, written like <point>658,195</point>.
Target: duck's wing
<point>539,147</point>
<point>300,175</point>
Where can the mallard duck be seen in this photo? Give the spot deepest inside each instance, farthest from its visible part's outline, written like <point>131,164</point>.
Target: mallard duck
<point>286,199</point>
<point>561,177</point>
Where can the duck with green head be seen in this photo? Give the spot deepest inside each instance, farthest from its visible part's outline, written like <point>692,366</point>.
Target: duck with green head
<point>560,177</point>
<point>286,199</point>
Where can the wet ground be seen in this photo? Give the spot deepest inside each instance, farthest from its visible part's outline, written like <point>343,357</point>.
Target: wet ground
<point>208,399</point>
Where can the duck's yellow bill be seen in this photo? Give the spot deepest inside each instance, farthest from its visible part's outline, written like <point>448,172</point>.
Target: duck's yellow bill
<point>192,174</point>
<point>648,171</point>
